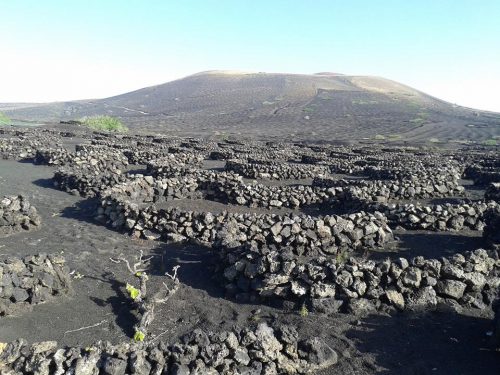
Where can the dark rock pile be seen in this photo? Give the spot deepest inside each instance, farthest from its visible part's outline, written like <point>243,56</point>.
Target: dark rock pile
<point>262,350</point>
<point>30,281</point>
<point>162,166</point>
<point>258,195</point>
<point>484,173</point>
<point>384,190</point>
<point>19,149</point>
<point>491,231</point>
<point>439,217</point>
<point>306,235</point>
<point>17,214</point>
<point>278,171</point>
<point>22,144</point>
<point>340,283</point>
<point>130,206</point>
<point>496,323</point>
<point>52,156</point>
<point>92,170</point>
<point>492,193</point>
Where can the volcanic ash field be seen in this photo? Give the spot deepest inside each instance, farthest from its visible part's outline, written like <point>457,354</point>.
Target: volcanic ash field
<point>135,254</point>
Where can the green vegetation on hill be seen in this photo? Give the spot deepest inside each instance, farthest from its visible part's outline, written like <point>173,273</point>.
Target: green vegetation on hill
<point>490,142</point>
<point>104,123</point>
<point>4,120</point>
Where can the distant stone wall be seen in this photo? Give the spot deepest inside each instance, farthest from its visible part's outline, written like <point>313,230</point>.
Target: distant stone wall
<point>381,190</point>
<point>32,280</point>
<point>19,149</point>
<point>439,217</point>
<point>53,156</point>
<point>280,171</point>
<point>17,214</point>
<point>162,166</point>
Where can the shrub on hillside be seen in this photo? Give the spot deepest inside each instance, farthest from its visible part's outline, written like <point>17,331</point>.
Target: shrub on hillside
<point>104,123</point>
<point>4,120</point>
<point>490,142</point>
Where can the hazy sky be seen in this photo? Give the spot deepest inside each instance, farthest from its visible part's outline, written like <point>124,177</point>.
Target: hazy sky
<point>61,50</point>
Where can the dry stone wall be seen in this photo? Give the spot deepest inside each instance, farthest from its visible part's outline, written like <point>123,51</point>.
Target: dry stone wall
<point>281,171</point>
<point>380,190</point>
<point>261,350</point>
<point>492,228</point>
<point>91,171</point>
<point>53,156</point>
<point>440,217</point>
<point>129,206</point>
<point>492,193</point>
<point>482,175</point>
<point>17,214</point>
<point>162,166</point>
<point>336,284</point>
<point>32,280</point>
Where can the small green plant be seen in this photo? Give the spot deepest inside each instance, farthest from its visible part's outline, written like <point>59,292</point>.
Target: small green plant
<point>341,257</point>
<point>303,312</point>
<point>139,336</point>
<point>4,120</point>
<point>104,123</point>
<point>418,120</point>
<point>145,303</point>
<point>133,292</point>
<point>254,318</point>
<point>394,137</point>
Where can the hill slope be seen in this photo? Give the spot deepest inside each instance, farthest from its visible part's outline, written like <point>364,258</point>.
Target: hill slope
<point>320,106</point>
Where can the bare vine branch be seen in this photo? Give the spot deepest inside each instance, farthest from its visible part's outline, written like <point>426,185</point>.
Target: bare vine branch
<point>145,305</point>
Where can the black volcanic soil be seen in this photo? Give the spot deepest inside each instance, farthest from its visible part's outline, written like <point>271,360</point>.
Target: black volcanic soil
<point>432,343</point>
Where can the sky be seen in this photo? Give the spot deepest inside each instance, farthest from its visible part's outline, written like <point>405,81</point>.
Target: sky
<point>65,50</point>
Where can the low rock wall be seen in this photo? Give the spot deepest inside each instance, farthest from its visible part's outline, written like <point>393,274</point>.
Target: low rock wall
<point>30,281</point>
<point>261,350</point>
<point>491,231</point>
<point>330,285</point>
<point>53,156</point>
<point>380,190</point>
<point>163,166</point>
<point>281,171</point>
<point>130,206</point>
<point>482,175</point>
<point>439,217</point>
<point>492,193</point>
<point>17,214</point>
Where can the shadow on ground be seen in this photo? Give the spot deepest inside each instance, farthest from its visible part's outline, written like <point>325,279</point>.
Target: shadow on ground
<point>197,266</point>
<point>122,306</point>
<point>430,244</point>
<point>84,210</point>
<point>46,183</point>
<point>430,343</point>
